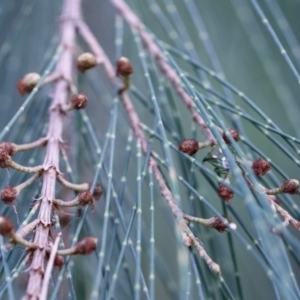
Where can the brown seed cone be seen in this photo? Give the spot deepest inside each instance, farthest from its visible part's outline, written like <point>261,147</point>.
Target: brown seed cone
<point>124,67</point>
<point>189,146</point>
<point>261,167</point>
<point>9,194</point>
<point>86,245</point>
<point>290,186</point>
<point>225,193</point>
<point>79,101</point>
<point>233,133</point>
<point>86,61</point>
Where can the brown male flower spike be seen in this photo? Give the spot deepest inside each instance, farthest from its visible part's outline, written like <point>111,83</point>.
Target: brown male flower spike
<point>234,135</point>
<point>189,146</point>
<point>86,61</point>
<point>261,167</point>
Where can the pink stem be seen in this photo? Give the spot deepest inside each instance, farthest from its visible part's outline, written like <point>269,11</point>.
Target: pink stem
<point>135,23</point>
<point>140,136</point>
<point>71,13</point>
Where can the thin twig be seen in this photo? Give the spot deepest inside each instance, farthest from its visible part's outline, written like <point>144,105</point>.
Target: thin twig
<point>71,12</point>
<point>136,24</point>
<point>140,136</point>
<point>46,280</point>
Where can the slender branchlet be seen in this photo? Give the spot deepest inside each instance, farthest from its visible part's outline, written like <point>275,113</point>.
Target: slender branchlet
<point>50,265</point>
<point>72,186</point>
<point>82,187</point>
<point>86,246</point>
<point>7,162</point>
<point>289,186</point>
<point>7,230</point>
<point>82,199</point>
<point>139,133</point>
<point>174,79</point>
<point>213,222</point>
<point>27,228</point>
<point>60,96</point>
<point>52,77</point>
<point>10,193</point>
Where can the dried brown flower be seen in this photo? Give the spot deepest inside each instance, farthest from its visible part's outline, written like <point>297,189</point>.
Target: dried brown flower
<point>9,194</point>
<point>85,198</point>
<point>225,193</point>
<point>79,101</point>
<point>6,150</point>
<point>290,186</point>
<point>217,223</point>
<point>261,167</point>
<point>233,133</point>
<point>86,245</point>
<point>189,146</point>
<point>97,191</point>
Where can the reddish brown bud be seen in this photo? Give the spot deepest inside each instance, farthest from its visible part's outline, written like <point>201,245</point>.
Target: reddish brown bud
<point>124,67</point>
<point>225,193</point>
<point>233,133</point>
<point>9,194</point>
<point>86,61</point>
<point>9,147</point>
<point>290,186</point>
<point>26,84</point>
<point>261,167</point>
<point>6,149</point>
<point>6,227</point>
<point>217,224</point>
<point>58,261</point>
<point>189,146</point>
<point>97,191</point>
<point>79,101</point>
<point>85,198</point>
<point>86,245</point>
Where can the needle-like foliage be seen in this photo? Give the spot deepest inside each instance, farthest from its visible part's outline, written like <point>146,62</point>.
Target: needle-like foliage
<point>149,149</point>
